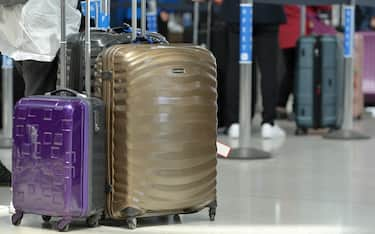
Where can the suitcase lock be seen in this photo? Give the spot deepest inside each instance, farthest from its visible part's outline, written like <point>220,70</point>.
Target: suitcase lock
<point>316,52</point>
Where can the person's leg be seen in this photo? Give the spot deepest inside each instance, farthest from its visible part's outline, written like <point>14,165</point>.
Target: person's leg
<point>39,77</point>
<point>218,47</point>
<point>232,77</point>
<point>266,47</point>
<point>287,81</point>
<point>266,44</point>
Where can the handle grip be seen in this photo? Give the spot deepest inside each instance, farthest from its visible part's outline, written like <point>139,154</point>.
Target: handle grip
<point>66,90</point>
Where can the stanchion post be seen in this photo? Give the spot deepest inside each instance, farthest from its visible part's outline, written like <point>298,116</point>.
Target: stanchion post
<point>245,152</point>
<point>152,14</point>
<point>7,96</point>
<point>347,132</point>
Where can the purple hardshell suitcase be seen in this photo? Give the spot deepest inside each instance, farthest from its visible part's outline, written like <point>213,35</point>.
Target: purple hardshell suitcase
<point>59,158</point>
<point>368,67</point>
<point>59,151</point>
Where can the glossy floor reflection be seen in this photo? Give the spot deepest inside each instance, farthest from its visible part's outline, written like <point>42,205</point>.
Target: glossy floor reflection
<point>311,185</point>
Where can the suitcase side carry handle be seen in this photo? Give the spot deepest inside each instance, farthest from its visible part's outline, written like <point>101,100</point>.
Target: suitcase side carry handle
<point>65,90</point>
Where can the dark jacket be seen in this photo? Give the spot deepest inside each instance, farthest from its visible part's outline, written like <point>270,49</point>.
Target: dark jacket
<point>263,13</point>
<point>11,2</point>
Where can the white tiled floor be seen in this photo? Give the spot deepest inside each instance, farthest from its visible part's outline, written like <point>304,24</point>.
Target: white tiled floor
<point>310,186</point>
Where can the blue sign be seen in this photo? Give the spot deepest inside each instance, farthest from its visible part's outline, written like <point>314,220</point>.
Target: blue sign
<point>246,33</point>
<point>96,13</point>
<point>349,31</point>
<point>7,62</point>
<point>152,22</point>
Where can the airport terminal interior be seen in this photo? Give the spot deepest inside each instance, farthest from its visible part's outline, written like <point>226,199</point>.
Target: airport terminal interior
<point>216,116</point>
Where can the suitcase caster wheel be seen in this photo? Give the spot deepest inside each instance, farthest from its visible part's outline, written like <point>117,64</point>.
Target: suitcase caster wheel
<point>176,218</point>
<point>17,218</point>
<point>132,223</point>
<point>63,226</point>
<point>46,218</point>
<point>93,221</point>
<point>212,214</point>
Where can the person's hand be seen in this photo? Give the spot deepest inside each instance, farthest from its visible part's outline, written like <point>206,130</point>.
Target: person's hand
<point>372,23</point>
<point>164,16</point>
<point>218,2</point>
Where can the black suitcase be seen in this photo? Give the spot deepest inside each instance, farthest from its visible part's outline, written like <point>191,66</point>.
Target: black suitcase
<point>100,40</point>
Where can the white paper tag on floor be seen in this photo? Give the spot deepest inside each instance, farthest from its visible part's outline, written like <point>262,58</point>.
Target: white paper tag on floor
<point>223,150</point>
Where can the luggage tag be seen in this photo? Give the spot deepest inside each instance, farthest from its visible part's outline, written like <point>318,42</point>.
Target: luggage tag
<point>223,150</point>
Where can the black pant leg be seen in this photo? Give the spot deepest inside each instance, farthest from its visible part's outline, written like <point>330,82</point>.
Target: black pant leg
<point>218,46</point>
<point>266,46</point>
<point>287,81</point>
<point>39,77</point>
<point>232,77</point>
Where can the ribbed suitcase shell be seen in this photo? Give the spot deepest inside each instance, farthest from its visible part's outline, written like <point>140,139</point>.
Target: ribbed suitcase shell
<point>162,129</point>
<point>58,157</point>
<point>307,71</point>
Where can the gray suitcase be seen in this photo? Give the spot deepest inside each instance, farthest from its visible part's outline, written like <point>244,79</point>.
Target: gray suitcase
<point>318,83</point>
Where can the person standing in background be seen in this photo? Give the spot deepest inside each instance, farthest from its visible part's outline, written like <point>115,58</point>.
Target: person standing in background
<point>365,18</point>
<point>267,19</point>
<point>30,35</point>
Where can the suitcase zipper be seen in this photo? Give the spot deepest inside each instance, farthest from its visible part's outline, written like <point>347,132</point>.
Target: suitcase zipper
<point>317,106</point>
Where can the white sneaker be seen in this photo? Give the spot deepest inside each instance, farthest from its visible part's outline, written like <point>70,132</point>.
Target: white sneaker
<point>11,208</point>
<point>234,131</point>
<point>270,132</point>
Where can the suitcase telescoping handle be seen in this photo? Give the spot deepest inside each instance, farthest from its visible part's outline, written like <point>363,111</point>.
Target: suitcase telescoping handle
<point>196,17</point>
<point>135,18</point>
<point>88,49</point>
<point>63,44</point>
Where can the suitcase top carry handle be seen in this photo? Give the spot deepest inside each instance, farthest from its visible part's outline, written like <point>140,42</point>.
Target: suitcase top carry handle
<point>65,90</point>
<point>135,17</point>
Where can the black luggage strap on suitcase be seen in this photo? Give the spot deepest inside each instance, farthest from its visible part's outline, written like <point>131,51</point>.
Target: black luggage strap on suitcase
<point>75,63</point>
<point>317,86</point>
